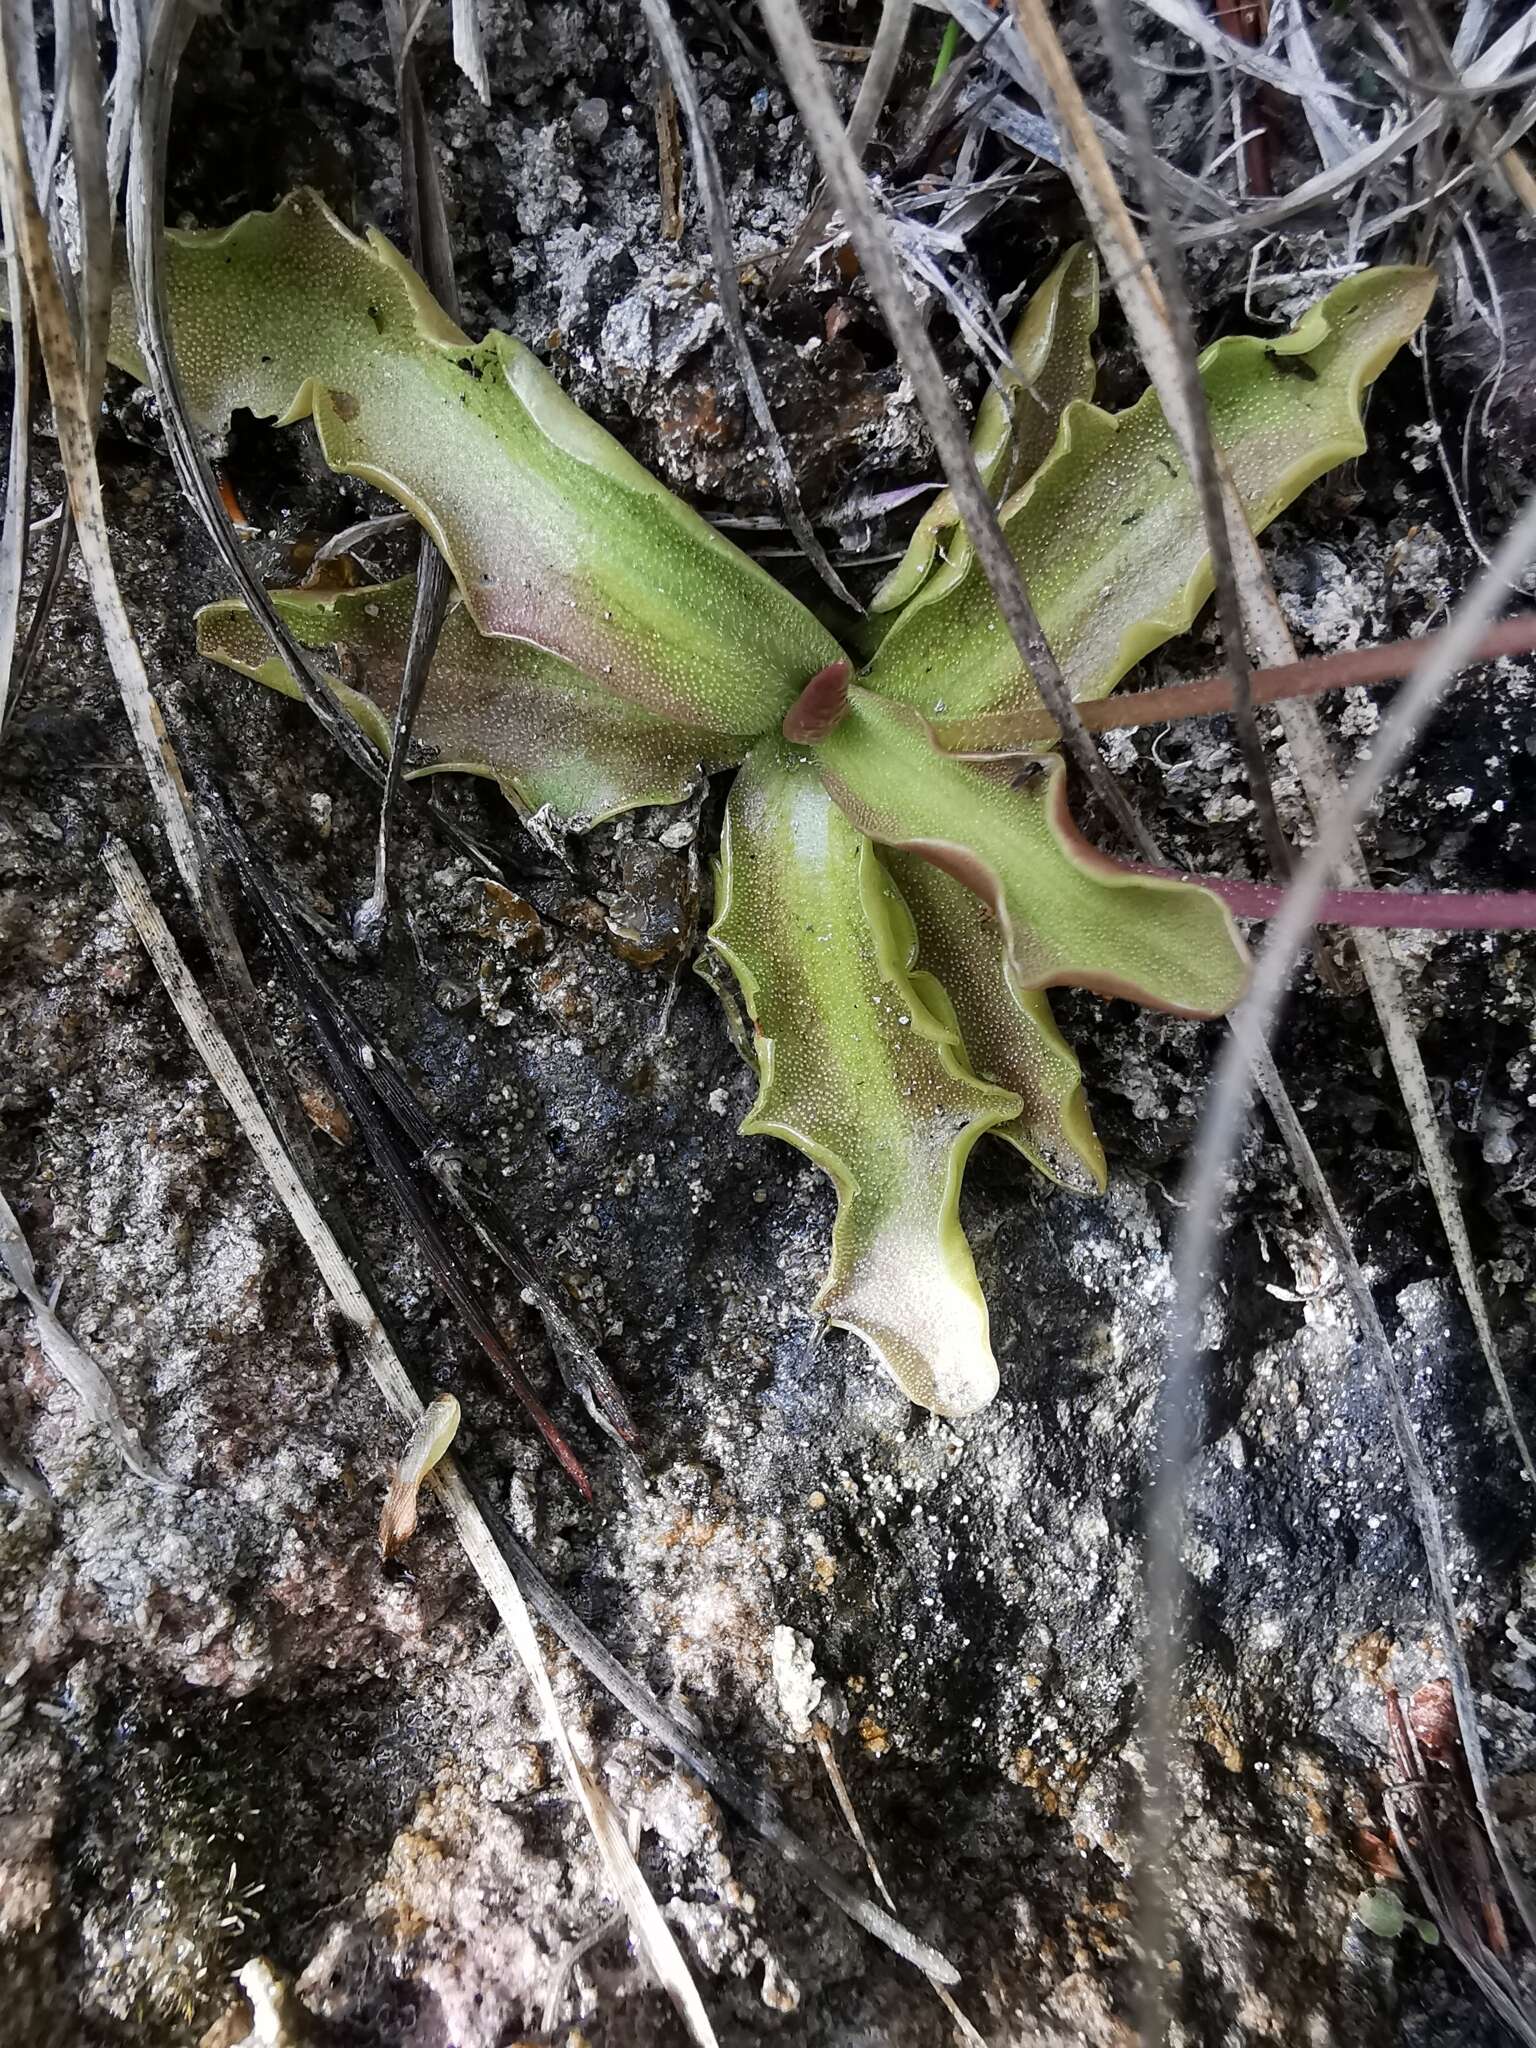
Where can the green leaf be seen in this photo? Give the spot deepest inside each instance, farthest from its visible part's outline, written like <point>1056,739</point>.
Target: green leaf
<point>1108,532</point>
<point>1069,917</point>
<point>554,534</point>
<point>1015,427</point>
<point>1009,1034</point>
<point>858,1072</point>
<point>547,733</point>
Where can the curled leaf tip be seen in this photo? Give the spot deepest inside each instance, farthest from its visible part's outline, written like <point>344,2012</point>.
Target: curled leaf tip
<point>821,706</point>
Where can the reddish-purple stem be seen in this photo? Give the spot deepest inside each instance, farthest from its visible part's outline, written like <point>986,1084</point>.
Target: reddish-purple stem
<point>1475,910</point>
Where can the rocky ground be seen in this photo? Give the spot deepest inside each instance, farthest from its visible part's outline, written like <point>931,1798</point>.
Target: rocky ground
<point>229,1732</point>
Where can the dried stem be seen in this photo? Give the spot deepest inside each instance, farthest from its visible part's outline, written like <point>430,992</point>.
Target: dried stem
<point>1222,1121</point>
<point>1213,490</point>
<point>504,1567</point>
<point>882,269</point>
<point>1211,696</point>
<point>874,90</point>
<point>432,254</point>
<point>1270,639</point>
<point>728,292</point>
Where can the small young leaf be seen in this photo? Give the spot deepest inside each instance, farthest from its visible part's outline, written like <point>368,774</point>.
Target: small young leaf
<point>553,533</point>
<point>859,1073</point>
<point>1009,1034</point>
<point>1069,917</point>
<point>547,733</point>
<point>1015,427</point>
<point>1108,532</point>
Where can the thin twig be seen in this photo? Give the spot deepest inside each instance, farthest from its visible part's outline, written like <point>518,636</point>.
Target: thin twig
<point>1222,1122</point>
<point>874,90</point>
<point>1207,472</point>
<point>882,268</point>
<point>728,292</point>
<point>432,254</point>
<point>1357,668</point>
<point>395,1384</point>
<point>491,1548</point>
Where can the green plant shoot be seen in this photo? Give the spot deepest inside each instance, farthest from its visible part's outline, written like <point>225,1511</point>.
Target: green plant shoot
<point>892,915</point>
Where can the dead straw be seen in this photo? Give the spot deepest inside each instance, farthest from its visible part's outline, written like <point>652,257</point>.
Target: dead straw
<point>674,57</point>
<point>503,1566</point>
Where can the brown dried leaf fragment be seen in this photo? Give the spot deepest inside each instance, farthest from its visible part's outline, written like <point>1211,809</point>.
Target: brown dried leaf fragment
<point>436,1430</point>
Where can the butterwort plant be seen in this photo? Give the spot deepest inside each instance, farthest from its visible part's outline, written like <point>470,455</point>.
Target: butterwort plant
<point>893,914</point>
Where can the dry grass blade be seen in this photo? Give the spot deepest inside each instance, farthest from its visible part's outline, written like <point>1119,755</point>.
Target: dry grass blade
<point>1222,1121</point>
<point>1205,32</point>
<point>128,37</point>
<point>70,1360</point>
<point>362,534</point>
<point>874,90</point>
<point>728,292</point>
<point>505,1569</point>
<point>434,588</point>
<point>15,532</point>
<point>651,1930</point>
<point>432,253</point>
<point>1270,639</point>
<point>882,268</point>
<point>844,1797</point>
<point>82,93</point>
<point>170,26</point>
<point>1006,53</point>
<point>1207,468</point>
<point>62,535</point>
<point>1336,137</point>
<point>1486,71</point>
<point>78,97</point>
